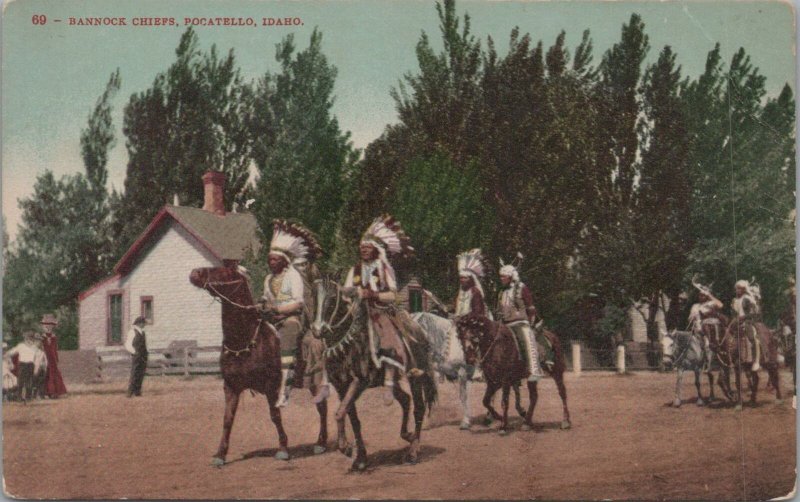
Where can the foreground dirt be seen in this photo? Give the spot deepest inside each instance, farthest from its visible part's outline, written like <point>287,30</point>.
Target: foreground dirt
<point>626,443</point>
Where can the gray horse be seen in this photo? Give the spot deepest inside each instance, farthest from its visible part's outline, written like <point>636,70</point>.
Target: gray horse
<point>448,356</point>
<point>683,350</point>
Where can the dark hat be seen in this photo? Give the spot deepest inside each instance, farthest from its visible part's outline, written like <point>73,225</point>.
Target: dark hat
<point>140,320</point>
<point>49,319</point>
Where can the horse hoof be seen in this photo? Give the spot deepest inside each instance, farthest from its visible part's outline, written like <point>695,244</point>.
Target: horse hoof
<point>502,432</point>
<point>348,451</point>
<point>738,407</point>
<point>676,403</point>
<point>566,424</point>
<point>779,401</point>
<point>319,449</point>
<point>282,455</point>
<point>700,402</point>
<point>411,459</point>
<point>488,421</point>
<point>359,466</point>
<point>464,426</point>
<point>525,427</point>
<point>217,462</point>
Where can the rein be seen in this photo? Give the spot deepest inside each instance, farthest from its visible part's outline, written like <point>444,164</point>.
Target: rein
<point>246,349</point>
<point>213,287</point>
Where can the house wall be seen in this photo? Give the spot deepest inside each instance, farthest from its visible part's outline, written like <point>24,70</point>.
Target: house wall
<point>180,310</point>
<point>93,315</point>
<point>638,328</point>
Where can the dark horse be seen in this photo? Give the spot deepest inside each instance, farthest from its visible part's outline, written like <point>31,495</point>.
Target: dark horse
<point>492,345</point>
<point>351,371</point>
<point>250,356</point>
<point>730,354</point>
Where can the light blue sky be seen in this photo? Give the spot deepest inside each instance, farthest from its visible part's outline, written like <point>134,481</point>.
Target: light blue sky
<point>52,74</point>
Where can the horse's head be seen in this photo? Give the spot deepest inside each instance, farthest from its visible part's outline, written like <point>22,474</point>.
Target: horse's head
<point>669,344</point>
<point>330,306</point>
<point>227,283</point>
<point>472,331</point>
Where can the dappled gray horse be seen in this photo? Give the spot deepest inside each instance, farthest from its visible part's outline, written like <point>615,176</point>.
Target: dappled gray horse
<point>683,350</point>
<point>448,356</point>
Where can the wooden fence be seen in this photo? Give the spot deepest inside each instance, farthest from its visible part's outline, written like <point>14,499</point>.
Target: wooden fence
<point>114,363</point>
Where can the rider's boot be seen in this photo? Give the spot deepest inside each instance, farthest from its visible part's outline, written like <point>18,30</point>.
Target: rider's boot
<point>283,392</point>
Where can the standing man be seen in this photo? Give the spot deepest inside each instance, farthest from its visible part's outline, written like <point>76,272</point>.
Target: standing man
<point>373,280</point>
<point>54,383</point>
<point>136,344</point>
<point>704,320</point>
<point>515,309</point>
<point>746,309</point>
<point>284,296</point>
<point>26,353</point>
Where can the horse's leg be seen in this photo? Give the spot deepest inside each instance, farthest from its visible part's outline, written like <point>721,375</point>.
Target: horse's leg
<point>506,392</point>
<point>275,415</point>
<point>533,396</point>
<point>231,403</point>
<point>774,375</point>
<point>492,414</point>
<point>724,382</point>
<point>700,401</point>
<point>463,395</point>
<point>349,397</point>
<point>322,439</point>
<point>711,396</point>
<point>405,404</point>
<point>517,401</point>
<point>677,402</point>
<point>419,417</point>
<point>566,423</point>
<point>753,380</point>
<point>360,462</point>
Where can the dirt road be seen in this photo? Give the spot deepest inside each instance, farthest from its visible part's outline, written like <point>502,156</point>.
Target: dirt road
<point>626,442</point>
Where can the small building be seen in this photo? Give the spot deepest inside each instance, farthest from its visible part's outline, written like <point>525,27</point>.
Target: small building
<point>412,297</point>
<point>152,278</point>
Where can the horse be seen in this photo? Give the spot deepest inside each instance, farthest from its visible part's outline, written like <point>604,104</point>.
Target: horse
<point>492,345</point>
<point>351,370</point>
<point>683,350</point>
<point>250,356</point>
<point>448,356</point>
<point>731,349</point>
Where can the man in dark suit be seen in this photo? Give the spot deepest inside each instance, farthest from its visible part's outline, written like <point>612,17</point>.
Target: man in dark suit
<point>136,344</point>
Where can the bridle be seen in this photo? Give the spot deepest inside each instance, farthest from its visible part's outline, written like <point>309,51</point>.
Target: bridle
<point>212,286</point>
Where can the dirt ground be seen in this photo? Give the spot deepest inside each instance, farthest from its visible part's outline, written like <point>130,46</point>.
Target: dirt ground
<point>625,443</point>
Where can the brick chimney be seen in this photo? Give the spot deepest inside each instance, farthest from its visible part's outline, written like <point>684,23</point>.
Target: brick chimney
<point>214,185</point>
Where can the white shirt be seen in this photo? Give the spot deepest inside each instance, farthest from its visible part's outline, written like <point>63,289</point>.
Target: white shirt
<point>291,288</point>
<point>26,352</point>
<point>697,312</point>
<point>129,339</point>
<point>369,279</point>
<point>738,305</point>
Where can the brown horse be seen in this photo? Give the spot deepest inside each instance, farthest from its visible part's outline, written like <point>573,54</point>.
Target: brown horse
<point>492,345</point>
<point>351,371</point>
<point>732,352</point>
<point>250,357</point>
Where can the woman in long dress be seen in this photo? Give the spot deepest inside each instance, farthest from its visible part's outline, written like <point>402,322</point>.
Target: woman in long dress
<point>54,383</point>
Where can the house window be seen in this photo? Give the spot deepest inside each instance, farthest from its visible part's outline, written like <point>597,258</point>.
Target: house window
<point>147,309</point>
<point>114,334</point>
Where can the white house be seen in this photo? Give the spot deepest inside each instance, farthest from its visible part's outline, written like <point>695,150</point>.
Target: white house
<point>152,278</point>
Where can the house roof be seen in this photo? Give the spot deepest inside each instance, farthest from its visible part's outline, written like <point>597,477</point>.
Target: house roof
<point>226,237</point>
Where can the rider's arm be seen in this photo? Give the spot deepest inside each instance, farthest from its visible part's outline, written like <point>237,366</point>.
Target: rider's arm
<point>296,290</point>
<point>527,299</point>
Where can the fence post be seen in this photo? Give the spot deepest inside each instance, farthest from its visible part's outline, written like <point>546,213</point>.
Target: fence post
<point>621,358</point>
<point>576,357</point>
<point>186,361</point>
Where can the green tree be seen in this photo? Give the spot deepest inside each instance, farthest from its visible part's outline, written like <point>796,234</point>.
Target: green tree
<point>192,119</point>
<point>303,157</point>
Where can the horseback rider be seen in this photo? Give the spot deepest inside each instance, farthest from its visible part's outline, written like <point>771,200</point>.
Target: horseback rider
<point>373,280</point>
<point>703,316</point>
<point>470,299</point>
<point>284,296</point>
<point>748,312</point>
<point>516,310</point>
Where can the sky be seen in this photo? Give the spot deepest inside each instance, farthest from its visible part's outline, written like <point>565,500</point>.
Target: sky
<point>53,73</point>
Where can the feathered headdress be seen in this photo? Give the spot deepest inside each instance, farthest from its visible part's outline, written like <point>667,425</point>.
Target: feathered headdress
<point>472,264</point>
<point>388,237</point>
<point>510,269</point>
<point>706,290</point>
<point>294,242</point>
<point>751,287</point>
